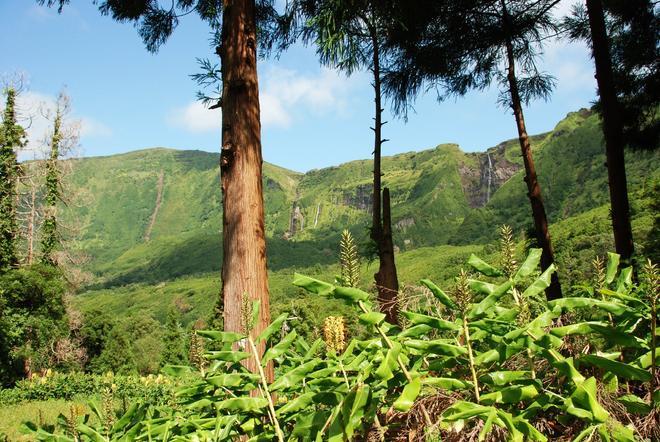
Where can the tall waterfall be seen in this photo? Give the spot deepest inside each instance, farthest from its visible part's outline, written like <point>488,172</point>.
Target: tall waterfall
<point>489,175</point>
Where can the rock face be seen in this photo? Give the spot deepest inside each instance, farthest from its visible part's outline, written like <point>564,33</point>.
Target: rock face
<point>359,199</point>
<point>493,170</point>
<point>296,222</point>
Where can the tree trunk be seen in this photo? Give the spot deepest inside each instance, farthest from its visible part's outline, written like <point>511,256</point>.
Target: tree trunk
<point>244,271</point>
<point>612,130</point>
<point>386,279</point>
<point>533,186</point>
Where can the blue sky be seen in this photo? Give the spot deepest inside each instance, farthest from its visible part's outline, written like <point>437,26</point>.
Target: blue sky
<point>312,117</point>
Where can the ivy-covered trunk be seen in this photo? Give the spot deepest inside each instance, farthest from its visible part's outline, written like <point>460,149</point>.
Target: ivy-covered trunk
<point>11,136</point>
<point>244,274</point>
<point>386,279</point>
<point>50,238</point>
<point>531,179</point>
<point>612,130</point>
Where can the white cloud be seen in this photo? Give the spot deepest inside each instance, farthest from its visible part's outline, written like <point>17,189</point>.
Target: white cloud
<point>34,112</point>
<point>285,97</point>
<point>196,118</point>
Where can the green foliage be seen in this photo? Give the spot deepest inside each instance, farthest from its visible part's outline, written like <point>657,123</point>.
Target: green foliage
<point>174,342</point>
<point>49,233</point>
<point>12,138</point>
<point>157,390</point>
<point>32,319</point>
<point>502,373</point>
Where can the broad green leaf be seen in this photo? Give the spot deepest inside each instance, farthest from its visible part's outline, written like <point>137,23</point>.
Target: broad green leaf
<point>410,392</point>
<point>487,357</point>
<point>584,404</point>
<point>618,368</point>
<point>279,349</point>
<point>501,378</point>
<point>273,328</point>
<point>612,267</point>
<point>602,328</point>
<point>439,294</point>
<point>625,280</point>
<point>564,304</point>
<point>307,399</point>
<point>227,356</point>
<point>214,335</point>
<point>488,425</point>
<point>242,404</point>
<point>530,264</point>
<point>437,323</point>
<point>447,383</point>
<point>415,331</point>
<point>635,404</point>
<point>437,347</point>
<point>488,303</point>
<point>294,376</point>
<point>541,283</point>
<point>372,318</point>
<point>510,395</point>
<point>389,363</point>
<point>229,380</point>
<point>353,409</point>
<point>312,285</point>
<point>351,294</point>
<point>483,267</point>
<point>481,286</point>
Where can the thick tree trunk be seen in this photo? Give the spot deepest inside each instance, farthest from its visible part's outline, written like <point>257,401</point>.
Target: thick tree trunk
<point>386,279</point>
<point>244,271</point>
<point>533,186</point>
<point>612,130</point>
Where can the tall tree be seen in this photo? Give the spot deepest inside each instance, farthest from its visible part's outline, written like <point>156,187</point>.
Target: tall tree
<point>459,46</point>
<point>613,131</point>
<point>49,234</point>
<point>244,270</point>
<point>12,137</point>
<point>349,35</point>
<point>623,37</point>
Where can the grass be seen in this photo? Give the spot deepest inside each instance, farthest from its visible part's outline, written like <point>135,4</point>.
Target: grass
<point>46,412</point>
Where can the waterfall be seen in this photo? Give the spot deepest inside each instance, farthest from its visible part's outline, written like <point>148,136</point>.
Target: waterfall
<point>316,218</point>
<point>490,176</point>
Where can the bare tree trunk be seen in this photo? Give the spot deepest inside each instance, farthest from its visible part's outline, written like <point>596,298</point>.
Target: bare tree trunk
<point>612,130</point>
<point>244,271</point>
<point>533,186</point>
<point>386,279</point>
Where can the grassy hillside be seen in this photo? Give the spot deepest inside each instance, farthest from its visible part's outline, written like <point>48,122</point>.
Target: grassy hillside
<point>151,220</point>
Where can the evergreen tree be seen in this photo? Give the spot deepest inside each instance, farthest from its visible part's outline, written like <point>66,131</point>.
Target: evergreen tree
<point>174,342</point>
<point>459,46</point>
<point>623,37</point>
<point>244,241</point>
<point>12,137</point>
<point>349,36</point>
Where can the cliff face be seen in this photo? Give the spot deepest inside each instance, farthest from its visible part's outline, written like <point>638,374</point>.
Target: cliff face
<point>492,170</point>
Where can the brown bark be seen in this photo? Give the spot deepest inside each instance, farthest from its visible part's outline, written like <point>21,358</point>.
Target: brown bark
<point>612,130</point>
<point>386,279</point>
<point>244,245</point>
<point>533,186</point>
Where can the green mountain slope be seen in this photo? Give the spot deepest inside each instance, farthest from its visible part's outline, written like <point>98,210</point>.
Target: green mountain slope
<point>154,215</point>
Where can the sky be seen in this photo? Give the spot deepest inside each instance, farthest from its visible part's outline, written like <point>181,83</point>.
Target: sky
<point>126,98</point>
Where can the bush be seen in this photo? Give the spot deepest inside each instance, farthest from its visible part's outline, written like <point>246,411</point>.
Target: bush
<point>154,390</point>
